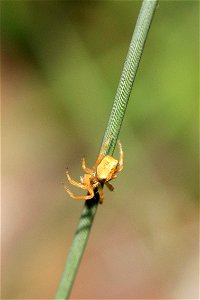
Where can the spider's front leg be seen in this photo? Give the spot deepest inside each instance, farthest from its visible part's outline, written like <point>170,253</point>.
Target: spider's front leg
<point>75,183</point>
<point>86,197</point>
<point>80,185</point>
<point>87,170</point>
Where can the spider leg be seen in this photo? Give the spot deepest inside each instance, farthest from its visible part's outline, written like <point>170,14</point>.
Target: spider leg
<point>121,156</point>
<point>101,193</point>
<point>109,186</point>
<point>85,197</point>
<point>87,170</point>
<point>101,154</point>
<point>75,183</point>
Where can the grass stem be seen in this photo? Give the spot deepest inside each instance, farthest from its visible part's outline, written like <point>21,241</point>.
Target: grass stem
<point>113,128</point>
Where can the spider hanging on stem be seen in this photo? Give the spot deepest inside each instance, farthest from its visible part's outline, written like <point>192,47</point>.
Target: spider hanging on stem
<point>105,169</point>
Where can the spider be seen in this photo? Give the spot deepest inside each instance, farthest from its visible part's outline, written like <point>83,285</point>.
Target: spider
<point>104,170</point>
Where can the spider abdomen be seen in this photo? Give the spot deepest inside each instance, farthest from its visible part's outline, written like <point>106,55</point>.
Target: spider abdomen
<point>107,168</point>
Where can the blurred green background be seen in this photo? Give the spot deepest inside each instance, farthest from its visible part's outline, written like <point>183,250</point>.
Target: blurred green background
<point>61,63</point>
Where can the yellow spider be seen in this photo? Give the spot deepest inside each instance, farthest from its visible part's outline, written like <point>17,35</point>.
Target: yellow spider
<point>104,170</point>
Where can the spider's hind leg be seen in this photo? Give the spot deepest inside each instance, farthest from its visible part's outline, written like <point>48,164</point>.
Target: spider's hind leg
<point>109,186</point>
<point>121,158</point>
<point>101,193</point>
<point>101,154</point>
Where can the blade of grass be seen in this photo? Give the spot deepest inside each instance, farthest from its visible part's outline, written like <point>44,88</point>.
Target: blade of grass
<point>112,130</point>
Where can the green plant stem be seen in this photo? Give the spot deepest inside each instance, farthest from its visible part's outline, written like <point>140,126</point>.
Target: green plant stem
<point>113,128</point>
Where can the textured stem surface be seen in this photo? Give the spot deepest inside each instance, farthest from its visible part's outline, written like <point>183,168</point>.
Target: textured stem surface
<point>113,128</point>
<point>129,72</point>
<point>77,249</point>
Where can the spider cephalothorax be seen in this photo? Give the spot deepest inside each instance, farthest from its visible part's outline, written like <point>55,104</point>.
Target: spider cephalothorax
<point>104,170</point>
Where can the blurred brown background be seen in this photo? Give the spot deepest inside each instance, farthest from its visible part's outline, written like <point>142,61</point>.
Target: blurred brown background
<point>61,63</point>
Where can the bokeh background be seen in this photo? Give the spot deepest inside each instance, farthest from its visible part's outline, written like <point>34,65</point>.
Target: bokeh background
<point>61,63</point>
